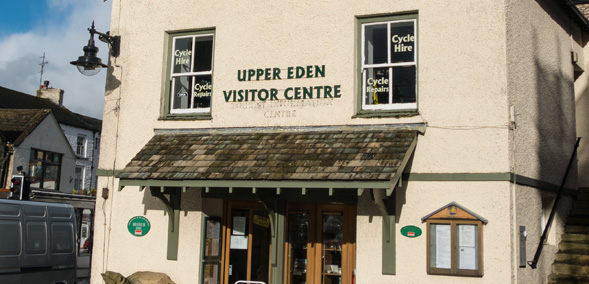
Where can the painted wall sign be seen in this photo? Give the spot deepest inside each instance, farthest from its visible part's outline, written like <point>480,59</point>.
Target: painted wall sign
<point>411,231</point>
<point>289,93</point>
<point>138,226</point>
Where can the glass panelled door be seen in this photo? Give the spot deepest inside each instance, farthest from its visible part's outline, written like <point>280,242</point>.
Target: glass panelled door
<point>299,254</point>
<point>331,247</point>
<point>320,244</point>
<point>247,244</point>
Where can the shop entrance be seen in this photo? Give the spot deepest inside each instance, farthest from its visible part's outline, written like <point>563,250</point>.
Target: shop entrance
<point>247,243</point>
<point>320,244</point>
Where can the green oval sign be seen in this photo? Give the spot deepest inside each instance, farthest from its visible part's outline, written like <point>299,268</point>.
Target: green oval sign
<point>411,231</point>
<point>138,226</point>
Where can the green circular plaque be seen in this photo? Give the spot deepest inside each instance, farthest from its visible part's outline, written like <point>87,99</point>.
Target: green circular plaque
<point>138,226</point>
<point>411,231</point>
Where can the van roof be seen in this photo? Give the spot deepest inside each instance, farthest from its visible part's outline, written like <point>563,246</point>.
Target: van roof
<point>38,203</point>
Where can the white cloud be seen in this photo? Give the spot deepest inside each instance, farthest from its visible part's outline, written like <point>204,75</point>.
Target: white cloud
<point>61,36</point>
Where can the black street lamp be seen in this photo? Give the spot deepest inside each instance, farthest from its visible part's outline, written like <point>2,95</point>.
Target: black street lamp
<point>89,64</point>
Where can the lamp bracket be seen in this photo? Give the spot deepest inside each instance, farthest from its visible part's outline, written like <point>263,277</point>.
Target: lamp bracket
<point>113,41</point>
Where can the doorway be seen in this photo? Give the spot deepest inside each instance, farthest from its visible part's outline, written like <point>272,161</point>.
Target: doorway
<point>320,243</point>
<point>247,243</point>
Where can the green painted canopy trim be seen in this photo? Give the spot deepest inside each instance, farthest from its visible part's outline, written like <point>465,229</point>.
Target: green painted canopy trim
<point>518,179</point>
<point>256,184</point>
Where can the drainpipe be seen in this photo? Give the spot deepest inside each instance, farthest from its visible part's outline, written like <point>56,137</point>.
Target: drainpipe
<point>534,262</point>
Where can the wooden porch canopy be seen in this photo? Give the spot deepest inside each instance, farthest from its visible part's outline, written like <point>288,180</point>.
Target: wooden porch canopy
<point>335,160</point>
<point>310,157</point>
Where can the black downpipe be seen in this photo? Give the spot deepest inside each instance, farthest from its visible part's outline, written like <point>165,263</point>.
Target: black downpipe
<point>534,262</point>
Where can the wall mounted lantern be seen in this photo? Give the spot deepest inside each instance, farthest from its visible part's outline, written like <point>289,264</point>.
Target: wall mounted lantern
<point>89,64</point>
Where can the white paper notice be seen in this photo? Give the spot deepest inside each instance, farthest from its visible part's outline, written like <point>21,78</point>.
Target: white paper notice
<point>467,258</point>
<point>238,242</point>
<point>466,235</point>
<point>215,247</point>
<point>238,225</point>
<point>467,253</point>
<point>443,246</point>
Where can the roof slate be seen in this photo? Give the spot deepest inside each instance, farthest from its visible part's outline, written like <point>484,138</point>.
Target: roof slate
<point>334,155</point>
<point>11,99</point>
<point>17,124</point>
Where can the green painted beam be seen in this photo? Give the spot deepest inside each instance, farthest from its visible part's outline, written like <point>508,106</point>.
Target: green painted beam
<point>278,241</point>
<point>389,249</point>
<point>283,185</point>
<point>172,206</point>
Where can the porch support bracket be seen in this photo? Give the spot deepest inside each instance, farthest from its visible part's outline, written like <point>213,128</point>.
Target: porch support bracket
<point>172,206</point>
<point>386,206</point>
<point>276,222</point>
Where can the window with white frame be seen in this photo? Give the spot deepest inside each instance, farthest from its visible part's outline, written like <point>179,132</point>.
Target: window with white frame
<point>78,178</point>
<point>191,68</point>
<point>389,63</point>
<point>81,146</point>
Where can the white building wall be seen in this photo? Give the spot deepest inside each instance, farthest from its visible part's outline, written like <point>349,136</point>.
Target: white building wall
<point>48,137</point>
<point>474,64</point>
<point>89,160</point>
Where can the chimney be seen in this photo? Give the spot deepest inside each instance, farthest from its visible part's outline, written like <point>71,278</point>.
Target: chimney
<point>54,95</point>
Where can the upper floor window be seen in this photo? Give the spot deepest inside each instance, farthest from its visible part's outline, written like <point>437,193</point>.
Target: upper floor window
<point>81,146</point>
<point>389,63</point>
<point>191,69</point>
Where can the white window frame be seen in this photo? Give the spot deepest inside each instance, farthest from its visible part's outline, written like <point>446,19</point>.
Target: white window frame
<point>82,172</point>
<point>170,95</point>
<point>81,149</point>
<point>391,105</point>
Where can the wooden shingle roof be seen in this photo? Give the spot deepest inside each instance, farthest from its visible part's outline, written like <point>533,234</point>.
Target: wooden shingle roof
<point>338,154</point>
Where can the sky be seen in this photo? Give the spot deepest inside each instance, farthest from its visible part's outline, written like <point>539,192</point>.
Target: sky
<point>58,28</point>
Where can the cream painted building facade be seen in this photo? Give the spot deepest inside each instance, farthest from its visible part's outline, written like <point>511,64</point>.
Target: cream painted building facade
<point>338,141</point>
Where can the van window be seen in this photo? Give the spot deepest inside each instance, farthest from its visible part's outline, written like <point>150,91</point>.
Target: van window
<point>63,237</point>
<point>36,237</point>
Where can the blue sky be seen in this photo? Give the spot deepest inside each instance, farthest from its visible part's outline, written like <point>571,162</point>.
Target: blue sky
<point>28,28</point>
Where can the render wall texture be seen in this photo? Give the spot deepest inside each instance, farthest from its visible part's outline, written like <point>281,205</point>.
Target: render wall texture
<point>541,89</point>
<point>461,73</point>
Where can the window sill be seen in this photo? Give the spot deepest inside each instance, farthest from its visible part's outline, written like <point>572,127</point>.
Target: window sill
<point>385,113</point>
<point>196,116</point>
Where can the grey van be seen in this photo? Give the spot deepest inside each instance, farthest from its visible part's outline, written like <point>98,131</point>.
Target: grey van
<point>37,243</point>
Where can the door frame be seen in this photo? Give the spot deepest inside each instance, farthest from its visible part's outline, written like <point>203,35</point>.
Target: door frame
<point>252,206</point>
<point>314,243</point>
